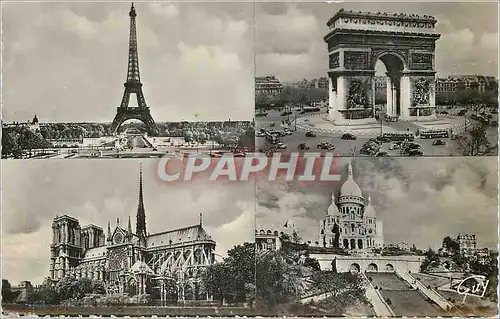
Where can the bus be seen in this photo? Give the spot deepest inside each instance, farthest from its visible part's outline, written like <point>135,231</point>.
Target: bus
<point>272,138</point>
<point>399,136</point>
<point>436,133</point>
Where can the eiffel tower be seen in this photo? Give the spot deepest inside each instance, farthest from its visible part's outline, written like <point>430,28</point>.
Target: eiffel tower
<point>133,85</point>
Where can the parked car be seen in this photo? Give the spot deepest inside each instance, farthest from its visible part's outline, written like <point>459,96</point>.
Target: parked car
<point>326,146</point>
<point>395,146</point>
<point>367,151</point>
<point>382,154</point>
<point>438,142</point>
<point>310,134</point>
<point>348,136</point>
<point>415,152</point>
<point>281,146</point>
<point>412,146</point>
<point>303,146</point>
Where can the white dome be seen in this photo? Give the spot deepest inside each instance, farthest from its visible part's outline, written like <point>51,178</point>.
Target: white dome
<point>350,188</point>
<point>369,210</point>
<point>333,209</point>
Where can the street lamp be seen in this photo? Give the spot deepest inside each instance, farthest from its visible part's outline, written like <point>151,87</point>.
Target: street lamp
<point>381,124</point>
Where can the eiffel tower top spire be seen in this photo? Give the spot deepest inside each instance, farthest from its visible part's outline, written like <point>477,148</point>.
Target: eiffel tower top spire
<point>141,212</point>
<point>132,11</point>
<point>133,74</point>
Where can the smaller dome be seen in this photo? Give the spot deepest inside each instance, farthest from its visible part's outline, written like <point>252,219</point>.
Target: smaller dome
<point>333,209</point>
<point>369,210</point>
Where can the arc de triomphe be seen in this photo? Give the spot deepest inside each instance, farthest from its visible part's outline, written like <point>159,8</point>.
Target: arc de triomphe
<point>405,43</point>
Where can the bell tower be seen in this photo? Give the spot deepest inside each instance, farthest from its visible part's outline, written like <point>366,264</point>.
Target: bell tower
<point>66,248</point>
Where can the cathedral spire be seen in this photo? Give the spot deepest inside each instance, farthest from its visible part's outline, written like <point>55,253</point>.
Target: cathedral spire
<point>129,226</point>
<point>109,231</point>
<point>201,219</point>
<point>141,212</point>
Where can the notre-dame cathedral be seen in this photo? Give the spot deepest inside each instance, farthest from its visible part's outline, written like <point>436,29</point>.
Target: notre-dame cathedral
<point>167,265</point>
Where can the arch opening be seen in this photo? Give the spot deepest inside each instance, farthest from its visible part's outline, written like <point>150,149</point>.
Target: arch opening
<point>388,67</point>
<point>355,268</point>
<point>353,244</point>
<point>389,268</point>
<point>132,287</point>
<point>345,243</point>
<point>132,126</point>
<point>372,267</point>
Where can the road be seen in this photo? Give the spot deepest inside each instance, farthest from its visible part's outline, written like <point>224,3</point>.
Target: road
<point>138,141</point>
<point>352,147</point>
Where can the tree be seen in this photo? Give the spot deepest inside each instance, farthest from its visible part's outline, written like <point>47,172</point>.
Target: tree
<point>431,260</point>
<point>234,276</point>
<point>342,289</point>
<point>316,94</point>
<point>8,295</point>
<point>201,138</point>
<point>98,287</point>
<point>451,245</point>
<point>216,279</point>
<point>71,288</point>
<point>262,100</point>
<point>9,144</point>
<point>241,264</point>
<point>278,280</point>
<point>312,263</point>
<point>188,136</point>
<point>296,238</point>
<point>474,142</point>
<point>45,294</point>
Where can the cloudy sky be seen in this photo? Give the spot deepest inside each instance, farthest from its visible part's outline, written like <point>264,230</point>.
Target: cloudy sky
<point>68,61</point>
<point>100,191</point>
<point>420,201</point>
<point>289,36</point>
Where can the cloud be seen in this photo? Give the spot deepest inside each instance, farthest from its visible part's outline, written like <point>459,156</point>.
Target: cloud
<point>166,10</point>
<point>72,58</point>
<point>17,266</point>
<point>99,192</point>
<point>440,197</point>
<point>290,45</point>
<point>293,27</point>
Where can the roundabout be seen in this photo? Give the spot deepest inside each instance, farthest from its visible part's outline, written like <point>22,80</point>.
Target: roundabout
<point>370,127</point>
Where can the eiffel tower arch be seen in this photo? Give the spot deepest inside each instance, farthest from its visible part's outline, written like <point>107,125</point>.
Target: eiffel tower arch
<point>133,86</point>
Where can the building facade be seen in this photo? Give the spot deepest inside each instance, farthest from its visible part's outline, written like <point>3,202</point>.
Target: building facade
<point>351,223</point>
<point>269,237</point>
<point>166,265</point>
<point>268,85</point>
<point>446,87</point>
<point>467,244</point>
